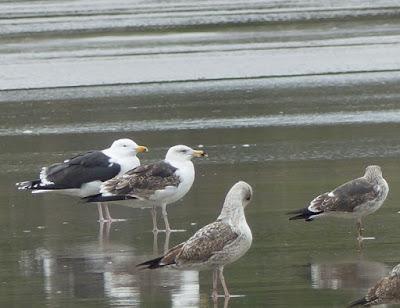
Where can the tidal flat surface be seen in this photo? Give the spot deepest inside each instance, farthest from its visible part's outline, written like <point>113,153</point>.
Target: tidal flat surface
<point>293,97</point>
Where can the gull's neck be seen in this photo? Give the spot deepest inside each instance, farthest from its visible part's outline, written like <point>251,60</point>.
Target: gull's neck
<point>374,178</point>
<point>117,154</point>
<point>126,162</point>
<point>233,214</point>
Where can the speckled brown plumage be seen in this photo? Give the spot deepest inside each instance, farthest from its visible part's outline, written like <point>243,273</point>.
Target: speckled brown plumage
<point>200,247</point>
<point>217,244</point>
<point>143,181</point>
<point>205,242</point>
<point>386,291</point>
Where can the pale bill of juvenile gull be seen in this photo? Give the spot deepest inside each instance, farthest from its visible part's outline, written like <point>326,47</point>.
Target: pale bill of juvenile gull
<point>386,291</point>
<point>156,184</point>
<point>354,199</point>
<point>217,244</point>
<point>83,174</point>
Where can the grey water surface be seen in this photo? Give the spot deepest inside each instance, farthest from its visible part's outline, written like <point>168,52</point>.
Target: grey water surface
<point>294,97</point>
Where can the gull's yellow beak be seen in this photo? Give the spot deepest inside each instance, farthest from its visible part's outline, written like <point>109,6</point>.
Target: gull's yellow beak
<point>199,153</point>
<point>141,149</point>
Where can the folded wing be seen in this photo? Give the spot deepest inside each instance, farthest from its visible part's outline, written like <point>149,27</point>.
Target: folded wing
<point>142,181</point>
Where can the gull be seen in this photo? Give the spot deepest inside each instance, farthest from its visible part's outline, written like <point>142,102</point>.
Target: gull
<point>386,291</point>
<point>83,174</point>
<point>157,184</point>
<point>354,199</point>
<point>215,245</point>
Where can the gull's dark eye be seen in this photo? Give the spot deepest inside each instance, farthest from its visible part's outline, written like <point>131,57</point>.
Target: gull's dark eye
<point>248,196</point>
<point>124,145</point>
<point>183,151</point>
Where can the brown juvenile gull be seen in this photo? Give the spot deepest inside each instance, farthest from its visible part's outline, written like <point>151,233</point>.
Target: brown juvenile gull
<point>156,184</point>
<point>217,244</point>
<point>83,174</point>
<point>355,199</point>
<point>386,291</point>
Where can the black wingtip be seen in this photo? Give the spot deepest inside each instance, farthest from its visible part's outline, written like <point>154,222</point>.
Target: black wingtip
<point>359,302</point>
<point>304,213</point>
<point>151,264</point>
<point>101,198</point>
<point>299,216</point>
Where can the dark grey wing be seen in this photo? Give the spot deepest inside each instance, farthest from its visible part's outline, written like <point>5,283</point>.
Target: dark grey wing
<point>206,242</point>
<point>346,197</point>
<point>143,181</point>
<point>83,168</point>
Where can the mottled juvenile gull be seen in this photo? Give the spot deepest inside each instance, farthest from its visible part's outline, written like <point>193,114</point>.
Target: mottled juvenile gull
<point>386,291</point>
<point>83,174</point>
<point>354,199</point>
<point>156,184</point>
<point>217,244</point>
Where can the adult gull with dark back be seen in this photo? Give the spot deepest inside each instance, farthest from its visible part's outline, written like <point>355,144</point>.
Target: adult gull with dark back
<point>83,174</point>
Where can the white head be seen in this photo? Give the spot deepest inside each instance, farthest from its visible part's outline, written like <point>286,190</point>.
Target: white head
<point>182,153</point>
<point>395,271</point>
<point>126,147</point>
<point>236,200</point>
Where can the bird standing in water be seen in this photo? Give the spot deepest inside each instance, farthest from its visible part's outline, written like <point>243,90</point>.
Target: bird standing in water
<point>157,184</point>
<point>83,174</point>
<point>354,199</point>
<point>217,244</point>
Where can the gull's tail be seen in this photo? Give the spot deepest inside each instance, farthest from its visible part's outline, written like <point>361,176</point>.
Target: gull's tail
<point>152,264</point>
<point>360,302</point>
<point>304,213</point>
<point>167,259</point>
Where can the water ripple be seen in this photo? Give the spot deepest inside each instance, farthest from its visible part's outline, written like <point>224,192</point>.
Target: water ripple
<point>320,119</point>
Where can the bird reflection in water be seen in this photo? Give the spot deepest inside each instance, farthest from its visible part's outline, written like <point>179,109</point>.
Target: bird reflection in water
<point>87,272</point>
<point>93,271</point>
<point>187,294</point>
<point>226,302</point>
<point>346,275</point>
<point>155,243</point>
<point>104,231</point>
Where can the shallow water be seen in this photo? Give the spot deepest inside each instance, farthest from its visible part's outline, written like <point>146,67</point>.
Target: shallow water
<point>294,98</point>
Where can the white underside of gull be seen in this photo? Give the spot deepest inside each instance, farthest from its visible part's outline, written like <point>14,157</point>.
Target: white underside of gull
<point>185,172</point>
<point>87,189</point>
